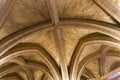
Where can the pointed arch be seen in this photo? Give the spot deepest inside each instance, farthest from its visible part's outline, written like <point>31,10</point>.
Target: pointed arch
<point>32,47</point>
<point>86,40</point>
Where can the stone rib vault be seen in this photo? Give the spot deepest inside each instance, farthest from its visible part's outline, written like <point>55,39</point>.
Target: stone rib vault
<point>59,39</point>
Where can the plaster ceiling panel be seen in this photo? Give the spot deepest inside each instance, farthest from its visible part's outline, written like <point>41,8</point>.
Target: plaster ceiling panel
<point>32,56</point>
<point>25,13</point>
<point>47,41</point>
<point>22,74</point>
<point>71,37</point>
<point>77,9</point>
<point>117,2</point>
<point>93,66</point>
<point>110,61</point>
<point>28,56</point>
<point>90,49</point>
<point>37,75</point>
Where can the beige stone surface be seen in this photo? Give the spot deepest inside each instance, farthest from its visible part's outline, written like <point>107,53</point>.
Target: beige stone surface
<point>60,45</point>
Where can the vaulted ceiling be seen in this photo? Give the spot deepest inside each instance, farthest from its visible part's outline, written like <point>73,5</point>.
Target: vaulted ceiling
<point>59,39</point>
